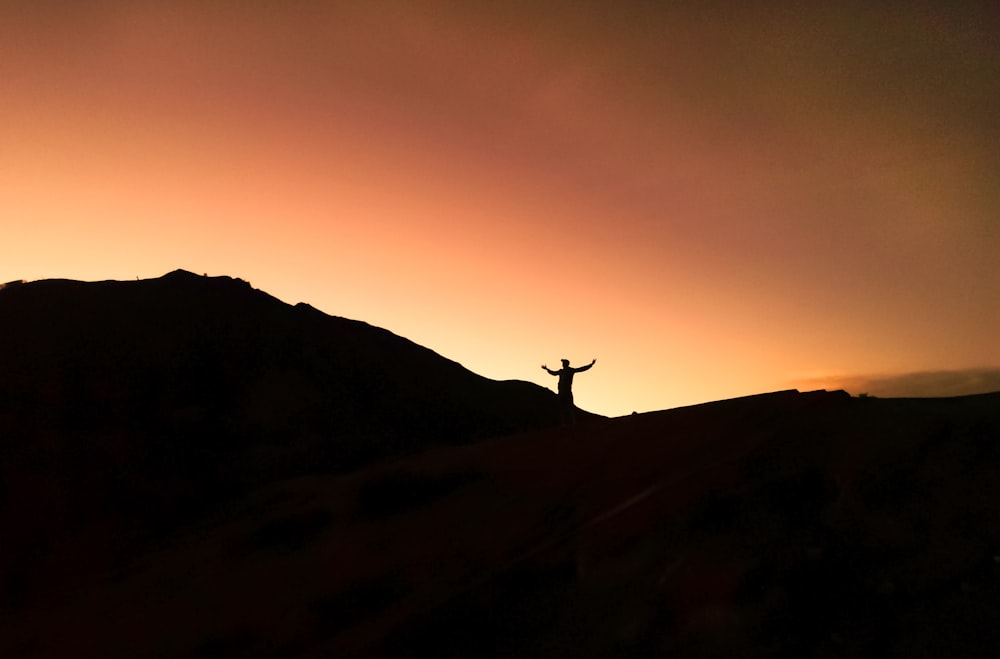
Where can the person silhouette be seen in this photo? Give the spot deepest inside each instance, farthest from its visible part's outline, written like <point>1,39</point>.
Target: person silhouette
<point>567,411</point>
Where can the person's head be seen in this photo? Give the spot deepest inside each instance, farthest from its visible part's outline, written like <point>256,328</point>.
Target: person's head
<point>565,362</point>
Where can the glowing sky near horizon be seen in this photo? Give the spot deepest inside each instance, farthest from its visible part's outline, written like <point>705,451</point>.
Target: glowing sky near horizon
<point>712,200</point>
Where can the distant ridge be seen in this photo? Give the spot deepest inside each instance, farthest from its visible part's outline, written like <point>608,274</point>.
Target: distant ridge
<point>217,346</point>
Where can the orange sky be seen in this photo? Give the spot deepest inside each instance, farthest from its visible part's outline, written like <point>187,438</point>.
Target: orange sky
<point>712,202</point>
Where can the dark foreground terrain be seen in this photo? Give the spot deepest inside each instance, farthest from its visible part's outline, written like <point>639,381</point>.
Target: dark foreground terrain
<point>784,525</point>
<point>190,521</point>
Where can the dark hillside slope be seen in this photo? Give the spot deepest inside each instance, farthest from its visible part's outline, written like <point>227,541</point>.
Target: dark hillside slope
<point>148,402</point>
<point>806,525</point>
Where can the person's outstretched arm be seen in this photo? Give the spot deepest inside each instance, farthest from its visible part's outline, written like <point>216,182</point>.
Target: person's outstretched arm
<point>551,372</point>
<point>584,368</point>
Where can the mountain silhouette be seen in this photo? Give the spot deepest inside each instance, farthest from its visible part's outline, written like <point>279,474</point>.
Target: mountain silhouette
<point>168,355</point>
<point>146,404</point>
<point>171,488</point>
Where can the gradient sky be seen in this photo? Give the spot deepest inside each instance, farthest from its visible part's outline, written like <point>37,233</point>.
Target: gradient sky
<point>713,199</point>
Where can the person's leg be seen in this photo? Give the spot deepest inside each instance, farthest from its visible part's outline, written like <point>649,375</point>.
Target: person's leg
<point>568,411</point>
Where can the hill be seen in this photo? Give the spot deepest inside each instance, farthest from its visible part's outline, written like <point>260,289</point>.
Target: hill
<point>781,525</point>
<point>186,354</point>
<point>140,406</point>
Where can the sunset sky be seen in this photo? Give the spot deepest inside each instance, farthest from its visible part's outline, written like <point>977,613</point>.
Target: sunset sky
<point>713,199</point>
